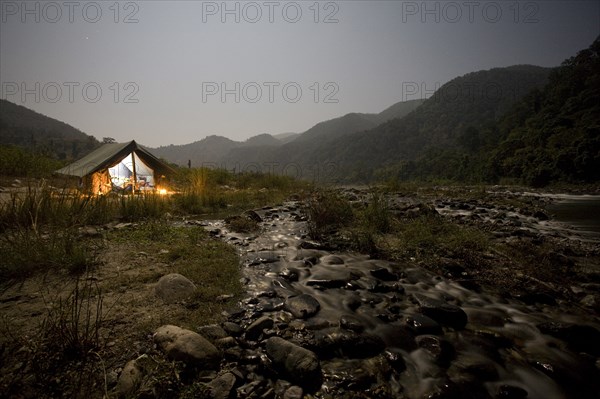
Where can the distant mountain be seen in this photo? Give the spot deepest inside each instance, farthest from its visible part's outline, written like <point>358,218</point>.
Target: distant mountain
<point>207,150</point>
<point>474,101</point>
<point>260,140</point>
<point>264,150</point>
<point>301,157</point>
<point>286,137</point>
<point>28,129</point>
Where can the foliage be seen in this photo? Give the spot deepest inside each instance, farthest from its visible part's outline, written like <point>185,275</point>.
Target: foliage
<point>550,135</point>
<point>327,213</point>
<point>38,133</point>
<point>19,162</point>
<point>61,356</point>
<point>26,252</point>
<point>207,190</point>
<point>372,228</point>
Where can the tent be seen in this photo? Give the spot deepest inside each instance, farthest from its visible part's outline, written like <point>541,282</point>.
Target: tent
<point>118,166</point>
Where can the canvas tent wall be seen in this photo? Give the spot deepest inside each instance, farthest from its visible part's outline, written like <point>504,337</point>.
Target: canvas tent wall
<point>118,165</point>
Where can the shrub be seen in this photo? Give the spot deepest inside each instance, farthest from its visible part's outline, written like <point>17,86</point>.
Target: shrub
<point>327,212</point>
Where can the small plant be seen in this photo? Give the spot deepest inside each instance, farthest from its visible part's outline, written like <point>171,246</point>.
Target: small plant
<point>72,326</point>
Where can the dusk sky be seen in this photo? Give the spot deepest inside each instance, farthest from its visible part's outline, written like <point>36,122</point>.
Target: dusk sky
<point>175,72</point>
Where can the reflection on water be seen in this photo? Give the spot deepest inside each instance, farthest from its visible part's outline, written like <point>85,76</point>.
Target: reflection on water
<point>580,211</point>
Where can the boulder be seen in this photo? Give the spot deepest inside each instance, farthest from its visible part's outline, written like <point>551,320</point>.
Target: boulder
<point>187,346</point>
<point>174,288</point>
<point>298,364</point>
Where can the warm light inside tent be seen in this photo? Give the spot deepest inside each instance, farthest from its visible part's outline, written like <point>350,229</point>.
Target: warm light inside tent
<point>121,174</point>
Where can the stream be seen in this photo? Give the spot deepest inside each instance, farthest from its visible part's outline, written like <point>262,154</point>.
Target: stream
<point>382,329</point>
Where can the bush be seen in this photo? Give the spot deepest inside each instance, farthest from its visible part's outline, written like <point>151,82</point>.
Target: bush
<point>327,212</point>
<point>18,162</point>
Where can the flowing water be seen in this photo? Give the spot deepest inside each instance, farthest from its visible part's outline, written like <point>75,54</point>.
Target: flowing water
<point>582,212</point>
<point>395,330</point>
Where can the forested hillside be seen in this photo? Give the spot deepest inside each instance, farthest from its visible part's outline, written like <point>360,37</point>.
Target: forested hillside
<point>445,122</point>
<point>550,135</point>
<point>22,127</point>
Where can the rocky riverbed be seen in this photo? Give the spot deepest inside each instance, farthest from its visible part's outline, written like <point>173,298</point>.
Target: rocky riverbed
<point>330,323</point>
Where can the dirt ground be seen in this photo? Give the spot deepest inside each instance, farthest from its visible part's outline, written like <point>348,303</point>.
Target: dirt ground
<point>123,284</point>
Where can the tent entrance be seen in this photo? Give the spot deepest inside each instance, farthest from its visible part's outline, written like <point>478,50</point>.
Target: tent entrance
<point>122,174</point>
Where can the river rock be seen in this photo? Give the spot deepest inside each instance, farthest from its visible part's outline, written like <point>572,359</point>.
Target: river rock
<point>326,283</point>
<point>332,260</point>
<point>302,306</point>
<point>441,350</point>
<point>298,364</point>
<point>351,323</point>
<point>335,341</point>
<point>421,324</point>
<point>187,346</point>
<point>444,313</point>
<point>293,392</point>
<point>233,329</point>
<point>254,330</point>
<point>174,288</point>
<point>131,377</point>
<point>222,386</point>
<point>511,392</point>
<point>384,274</point>
<point>580,338</point>
<point>212,332</point>
<point>290,274</point>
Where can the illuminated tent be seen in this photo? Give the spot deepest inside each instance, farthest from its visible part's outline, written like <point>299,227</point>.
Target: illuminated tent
<point>118,166</point>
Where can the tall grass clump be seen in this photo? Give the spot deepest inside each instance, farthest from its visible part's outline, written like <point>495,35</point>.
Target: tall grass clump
<point>72,325</point>
<point>63,354</point>
<point>376,214</point>
<point>140,207</point>
<point>219,191</point>
<point>327,212</point>
<point>26,252</point>
<point>429,237</point>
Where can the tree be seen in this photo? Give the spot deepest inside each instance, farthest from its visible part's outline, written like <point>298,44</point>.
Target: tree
<point>107,140</point>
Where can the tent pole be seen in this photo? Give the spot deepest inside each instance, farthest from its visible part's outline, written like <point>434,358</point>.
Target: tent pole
<point>134,173</point>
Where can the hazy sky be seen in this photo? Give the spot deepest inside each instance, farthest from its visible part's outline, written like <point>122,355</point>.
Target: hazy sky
<point>174,72</point>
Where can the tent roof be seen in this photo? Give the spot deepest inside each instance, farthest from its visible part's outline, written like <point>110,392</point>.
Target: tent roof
<point>110,154</point>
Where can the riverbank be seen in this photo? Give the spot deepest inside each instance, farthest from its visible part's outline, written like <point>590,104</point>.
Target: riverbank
<point>449,293</point>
